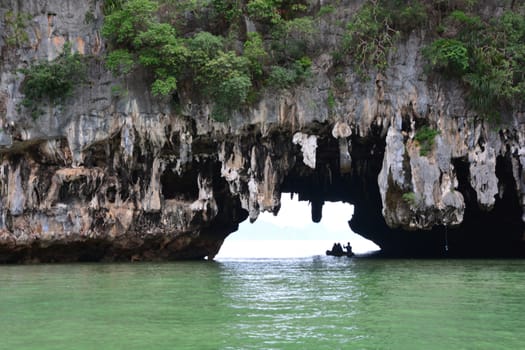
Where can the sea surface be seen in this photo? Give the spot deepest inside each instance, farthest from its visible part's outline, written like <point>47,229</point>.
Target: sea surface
<point>314,302</point>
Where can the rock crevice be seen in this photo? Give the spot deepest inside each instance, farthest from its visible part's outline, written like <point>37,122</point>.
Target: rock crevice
<point>99,177</point>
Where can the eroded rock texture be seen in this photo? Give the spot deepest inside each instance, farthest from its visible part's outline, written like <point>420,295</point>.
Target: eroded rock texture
<point>99,177</point>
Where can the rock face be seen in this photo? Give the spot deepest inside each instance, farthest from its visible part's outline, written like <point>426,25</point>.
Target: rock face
<point>101,177</point>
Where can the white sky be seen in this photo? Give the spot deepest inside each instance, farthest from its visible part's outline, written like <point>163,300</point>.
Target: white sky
<point>293,234</point>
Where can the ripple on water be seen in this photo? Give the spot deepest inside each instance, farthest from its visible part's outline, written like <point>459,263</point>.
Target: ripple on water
<point>307,303</point>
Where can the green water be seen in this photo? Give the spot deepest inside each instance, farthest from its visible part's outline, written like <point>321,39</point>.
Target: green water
<point>309,303</point>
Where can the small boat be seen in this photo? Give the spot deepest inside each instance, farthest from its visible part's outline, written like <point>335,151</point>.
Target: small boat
<point>330,253</point>
<point>337,250</point>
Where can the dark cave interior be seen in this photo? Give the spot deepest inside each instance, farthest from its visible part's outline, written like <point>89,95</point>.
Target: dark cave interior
<point>497,233</point>
<point>483,234</point>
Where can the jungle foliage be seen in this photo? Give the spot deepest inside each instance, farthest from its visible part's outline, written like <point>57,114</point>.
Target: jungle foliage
<point>210,61</point>
<point>425,137</point>
<point>15,29</point>
<point>226,65</point>
<point>375,29</point>
<point>488,56</point>
<point>51,81</point>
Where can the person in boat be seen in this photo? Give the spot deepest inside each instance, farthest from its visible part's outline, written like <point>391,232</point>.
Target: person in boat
<point>348,248</point>
<point>337,250</point>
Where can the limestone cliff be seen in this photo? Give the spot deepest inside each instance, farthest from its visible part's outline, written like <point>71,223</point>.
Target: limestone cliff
<point>129,177</point>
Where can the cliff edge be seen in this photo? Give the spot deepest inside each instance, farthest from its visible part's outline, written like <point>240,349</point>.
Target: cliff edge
<point>113,171</point>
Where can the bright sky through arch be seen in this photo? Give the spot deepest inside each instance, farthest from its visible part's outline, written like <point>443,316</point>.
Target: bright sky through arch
<point>293,234</point>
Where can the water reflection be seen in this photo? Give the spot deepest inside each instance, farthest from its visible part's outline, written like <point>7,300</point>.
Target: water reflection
<point>314,303</point>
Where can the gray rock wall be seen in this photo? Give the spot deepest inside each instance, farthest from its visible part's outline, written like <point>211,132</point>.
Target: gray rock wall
<point>124,177</point>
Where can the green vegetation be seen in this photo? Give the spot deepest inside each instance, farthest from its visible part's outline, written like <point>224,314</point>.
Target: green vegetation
<point>51,81</point>
<point>449,56</point>
<point>330,100</point>
<point>109,6</point>
<point>15,29</point>
<point>208,62</point>
<point>409,198</point>
<point>256,54</point>
<point>226,66</point>
<point>229,10</point>
<point>284,78</point>
<point>425,137</point>
<point>275,11</point>
<point>488,56</point>
<point>374,30</point>
<point>325,10</point>
<point>263,11</point>
<point>89,17</point>
<point>118,90</point>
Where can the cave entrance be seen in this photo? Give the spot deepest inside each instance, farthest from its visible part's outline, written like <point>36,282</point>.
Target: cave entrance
<point>293,234</point>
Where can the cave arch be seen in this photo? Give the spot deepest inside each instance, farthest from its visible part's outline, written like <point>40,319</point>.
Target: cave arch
<point>482,234</point>
<point>292,234</point>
